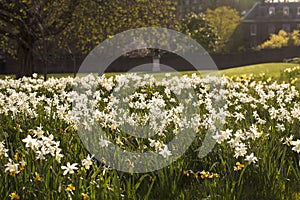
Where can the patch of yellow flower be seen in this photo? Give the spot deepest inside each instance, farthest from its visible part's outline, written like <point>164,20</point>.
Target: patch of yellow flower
<point>203,174</point>
<point>14,195</point>
<point>37,177</point>
<point>70,188</point>
<point>239,166</point>
<point>84,196</point>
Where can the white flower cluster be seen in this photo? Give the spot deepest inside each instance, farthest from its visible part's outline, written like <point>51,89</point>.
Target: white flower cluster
<point>43,145</point>
<point>3,150</point>
<point>296,145</point>
<point>270,107</point>
<point>239,111</point>
<point>12,167</point>
<point>140,104</point>
<point>70,168</point>
<point>28,96</point>
<point>291,70</point>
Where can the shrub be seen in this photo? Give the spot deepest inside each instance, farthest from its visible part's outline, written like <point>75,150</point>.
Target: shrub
<point>282,39</point>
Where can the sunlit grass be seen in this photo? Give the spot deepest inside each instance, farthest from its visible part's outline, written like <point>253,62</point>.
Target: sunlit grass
<point>270,69</point>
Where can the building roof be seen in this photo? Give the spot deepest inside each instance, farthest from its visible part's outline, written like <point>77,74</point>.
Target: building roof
<point>274,11</point>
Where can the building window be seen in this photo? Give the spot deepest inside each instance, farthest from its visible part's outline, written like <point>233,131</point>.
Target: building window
<point>298,26</point>
<point>271,29</point>
<point>286,11</point>
<point>272,10</point>
<point>286,28</point>
<point>195,1</point>
<point>187,2</point>
<point>253,29</point>
<point>298,11</point>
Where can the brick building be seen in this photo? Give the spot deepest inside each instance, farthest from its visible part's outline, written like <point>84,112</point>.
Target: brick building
<point>269,17</point>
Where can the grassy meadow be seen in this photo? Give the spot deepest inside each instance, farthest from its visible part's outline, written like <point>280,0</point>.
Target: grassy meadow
<point>253,113</point>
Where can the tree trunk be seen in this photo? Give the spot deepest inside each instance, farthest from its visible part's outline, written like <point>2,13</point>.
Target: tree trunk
<point>45,69</point>
<point>26,62</point>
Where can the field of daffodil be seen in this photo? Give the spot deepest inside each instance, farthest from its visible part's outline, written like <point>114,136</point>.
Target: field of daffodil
<point>256,155</point>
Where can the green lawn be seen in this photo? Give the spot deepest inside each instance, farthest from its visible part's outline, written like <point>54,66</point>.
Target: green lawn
<point>271,69</point>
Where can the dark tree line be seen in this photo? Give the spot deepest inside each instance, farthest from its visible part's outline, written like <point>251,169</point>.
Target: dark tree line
<point>28,28</point>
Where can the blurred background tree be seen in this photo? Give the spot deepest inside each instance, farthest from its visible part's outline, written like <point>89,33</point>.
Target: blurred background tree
<point>225,20</point>
<point>25,22</point>
<point>108,18</point>
<point>33,28</point>
<point>199,28</point>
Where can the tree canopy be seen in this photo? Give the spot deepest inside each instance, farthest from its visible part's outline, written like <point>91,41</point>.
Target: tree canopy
<point>199,28</point>
<point>29,26</point>
<point>107,18</point>
<point>224,20</point>
<point>26,22</point>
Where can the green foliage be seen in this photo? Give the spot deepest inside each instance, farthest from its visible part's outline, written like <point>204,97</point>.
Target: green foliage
<point>26,23</point>
<point>295,38</point>
<point>225,20</point>
<point>198,27</point>
<point>95,21</point>
<point>36,28</point>
<point>282,39</point>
